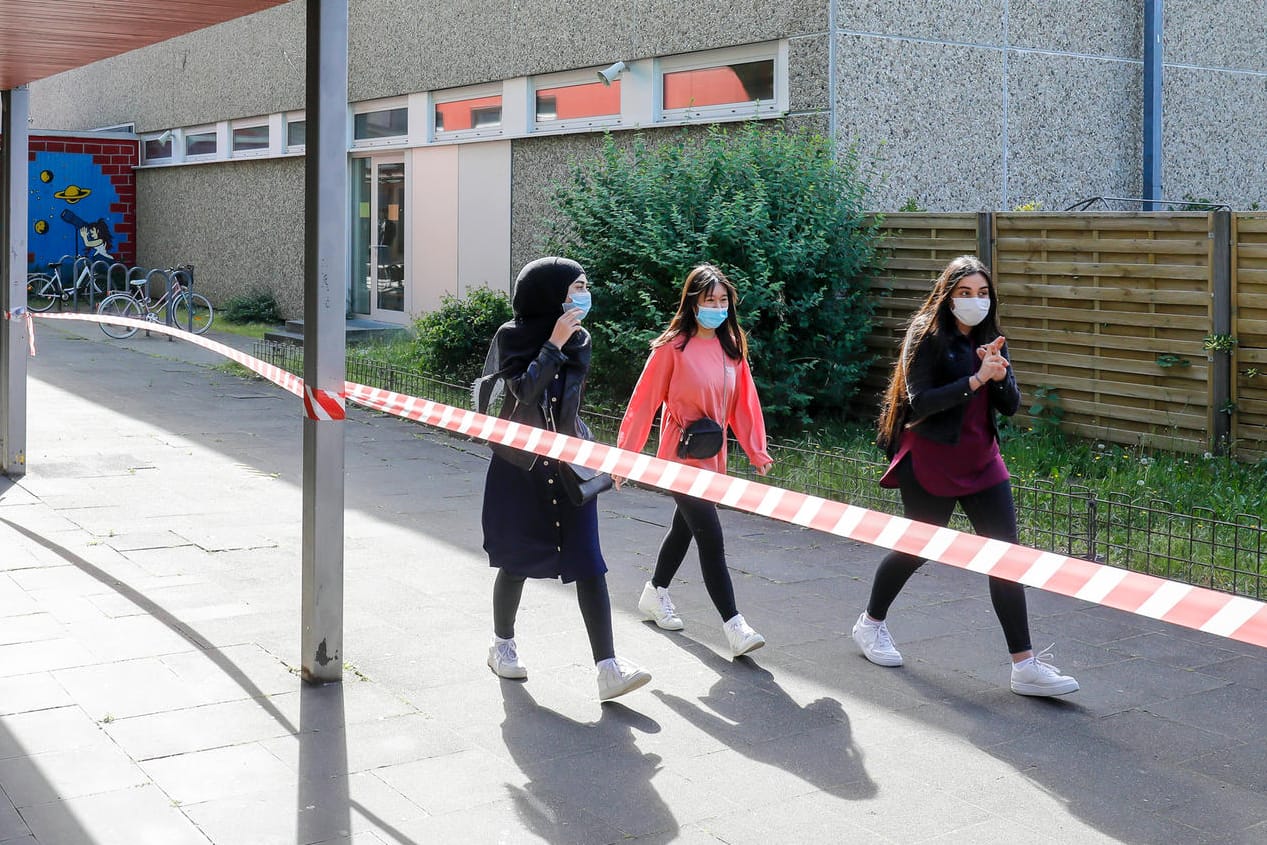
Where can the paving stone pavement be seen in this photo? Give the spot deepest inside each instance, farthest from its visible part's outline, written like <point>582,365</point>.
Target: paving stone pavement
<point>149,628</point>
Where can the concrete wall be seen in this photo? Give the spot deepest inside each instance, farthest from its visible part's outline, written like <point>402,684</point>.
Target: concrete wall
<point>963,104</point>
<point>240,224</point>
<point>987,104</point>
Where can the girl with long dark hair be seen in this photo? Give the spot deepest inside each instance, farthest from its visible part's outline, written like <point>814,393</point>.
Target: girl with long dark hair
<point>698,368</point>
<point>938,429</point>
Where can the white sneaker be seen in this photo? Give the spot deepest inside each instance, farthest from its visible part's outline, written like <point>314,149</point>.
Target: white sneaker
<point>740,635</point>
<point>876,644</point>
<point>1034,677</point>
<point>617,677</point>
<point>656,604</point>
<point>503,659</point>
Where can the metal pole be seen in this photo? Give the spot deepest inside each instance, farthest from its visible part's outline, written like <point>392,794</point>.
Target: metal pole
<point>13,338</point>
<point>1153,30</point>
<point>985,238</point>
<point>325,290</point>
<point>1221,323</point>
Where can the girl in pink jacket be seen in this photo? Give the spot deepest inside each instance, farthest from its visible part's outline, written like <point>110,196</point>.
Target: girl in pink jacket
<point>698,369</point>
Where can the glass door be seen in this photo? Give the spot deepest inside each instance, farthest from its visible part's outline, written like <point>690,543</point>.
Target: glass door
<point>378,239</point>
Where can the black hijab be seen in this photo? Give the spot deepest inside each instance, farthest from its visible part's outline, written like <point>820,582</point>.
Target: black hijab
<point>537,302</point>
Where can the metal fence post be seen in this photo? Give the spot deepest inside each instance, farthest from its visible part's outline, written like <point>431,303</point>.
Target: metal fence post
<point>13,245</point>
<point>1221,409</point>
<point>985,238</point>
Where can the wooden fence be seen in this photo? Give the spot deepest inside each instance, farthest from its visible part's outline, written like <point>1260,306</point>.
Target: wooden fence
<point>1112,312</point>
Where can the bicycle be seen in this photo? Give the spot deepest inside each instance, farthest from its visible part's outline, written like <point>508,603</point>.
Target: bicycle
<point>44,289</point>
<point>177,303</point>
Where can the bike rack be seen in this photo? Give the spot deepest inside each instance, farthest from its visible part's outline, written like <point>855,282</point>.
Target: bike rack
<point>166,279</point>
<point>92,279</point>
<point>185,272</point>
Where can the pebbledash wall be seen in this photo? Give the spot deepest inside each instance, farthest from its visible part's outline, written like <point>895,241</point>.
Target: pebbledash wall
<point>963,105</point>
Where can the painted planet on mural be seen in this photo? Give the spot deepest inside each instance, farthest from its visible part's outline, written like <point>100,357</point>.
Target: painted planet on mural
<point>46,176</point>
<point>41,226</point>
<point>72,193</point>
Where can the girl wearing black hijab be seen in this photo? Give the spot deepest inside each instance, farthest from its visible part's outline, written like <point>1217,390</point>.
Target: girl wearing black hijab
<point>535,373</point>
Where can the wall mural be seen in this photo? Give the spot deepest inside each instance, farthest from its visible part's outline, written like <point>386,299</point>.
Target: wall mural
<point>82,200</point>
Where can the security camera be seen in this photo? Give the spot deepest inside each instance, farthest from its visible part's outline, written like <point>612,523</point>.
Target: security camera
<point>609,75</point>
<point>165,137</point>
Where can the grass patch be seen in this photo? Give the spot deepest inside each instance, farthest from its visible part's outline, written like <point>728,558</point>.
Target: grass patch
<point>253,330</point>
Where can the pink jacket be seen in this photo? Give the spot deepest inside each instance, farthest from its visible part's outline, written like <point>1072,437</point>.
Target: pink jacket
<point>689,383</point>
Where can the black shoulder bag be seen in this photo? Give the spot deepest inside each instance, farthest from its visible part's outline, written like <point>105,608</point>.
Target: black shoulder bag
<point>704,437</point>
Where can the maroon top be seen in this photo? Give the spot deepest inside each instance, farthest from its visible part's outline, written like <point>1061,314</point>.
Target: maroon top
<point>969,466</point>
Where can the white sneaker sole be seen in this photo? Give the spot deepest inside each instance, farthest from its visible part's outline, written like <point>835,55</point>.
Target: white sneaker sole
<point>639,680</point>
<point>1045,690</point>
<point>667,624</point>
<point>510,674</point>
<point>748,647</point>
<point>877,659</point>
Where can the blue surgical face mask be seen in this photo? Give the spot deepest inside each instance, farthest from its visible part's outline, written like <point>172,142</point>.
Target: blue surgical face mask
<point>711,318</point>
<point>581,300</point>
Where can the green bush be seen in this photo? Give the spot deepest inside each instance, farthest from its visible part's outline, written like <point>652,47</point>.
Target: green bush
<point>254,307</point>
<point>452,341</point>
<point>781,213</point>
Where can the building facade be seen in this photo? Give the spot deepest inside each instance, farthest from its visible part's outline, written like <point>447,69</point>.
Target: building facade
<point>463,114</point>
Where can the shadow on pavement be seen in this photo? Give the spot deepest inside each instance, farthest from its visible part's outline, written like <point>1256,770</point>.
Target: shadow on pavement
<point>748,711</point>
<point>571,765</point>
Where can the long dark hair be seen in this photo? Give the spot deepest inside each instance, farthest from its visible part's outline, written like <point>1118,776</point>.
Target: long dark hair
<point>684,326</point>
<point>934,317</point>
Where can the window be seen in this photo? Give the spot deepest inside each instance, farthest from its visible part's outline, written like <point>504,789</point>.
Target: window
<point>248,139</point>
<point>296,132</point>
<point>578,103</point>
<point>472,114</point>
<point>158,148</point>
<point>388,123</point>
<point>725,85</point>
<point>200,143</point>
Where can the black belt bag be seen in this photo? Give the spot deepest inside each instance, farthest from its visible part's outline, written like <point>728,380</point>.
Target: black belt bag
<point>701,439</point>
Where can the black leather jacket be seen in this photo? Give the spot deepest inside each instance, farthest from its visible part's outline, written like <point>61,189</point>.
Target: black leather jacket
<point>533,404</point>
<point>937,387</point>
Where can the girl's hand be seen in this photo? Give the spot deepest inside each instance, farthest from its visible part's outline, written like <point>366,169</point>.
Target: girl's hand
<point>765,468</point>
<point>993,364</point>
<point>617,481</point>
<point>565,327</point>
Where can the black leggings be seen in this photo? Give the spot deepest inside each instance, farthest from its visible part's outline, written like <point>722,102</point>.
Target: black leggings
<point>696,518</point>
<point>992,514</point>
<point>591,595</point>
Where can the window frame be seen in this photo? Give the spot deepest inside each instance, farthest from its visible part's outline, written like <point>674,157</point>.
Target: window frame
<point>456,95</point>
<point>568,79</point>
<point>188,132</point>
<point>772,51</point>
<point>369,107</point>
<point>251,123</point>
<point>295,117</point>
<point>173,146</point>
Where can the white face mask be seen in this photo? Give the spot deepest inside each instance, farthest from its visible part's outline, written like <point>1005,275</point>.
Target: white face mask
<point>970,310</point>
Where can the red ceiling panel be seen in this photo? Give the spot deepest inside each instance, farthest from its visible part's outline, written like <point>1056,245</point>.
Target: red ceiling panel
<point>40,38</point>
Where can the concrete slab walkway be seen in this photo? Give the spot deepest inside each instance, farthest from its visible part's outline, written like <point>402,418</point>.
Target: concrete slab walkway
<point>149,629</point>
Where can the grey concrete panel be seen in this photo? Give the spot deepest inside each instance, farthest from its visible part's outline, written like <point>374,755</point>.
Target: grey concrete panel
<point>238,223</point>
<point>932,113</point>
<point>1214,137</point>
<point>961,21</point>
<point>249,66</point>
<point>1096,27</point>
<point>1213,34</point>
<point>1073,129</point>
<point>808,74</point>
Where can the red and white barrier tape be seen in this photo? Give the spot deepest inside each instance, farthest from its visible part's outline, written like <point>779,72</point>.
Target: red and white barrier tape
<point>323,405</point>
<point>1225,615</point>
<point>1205,610</point>
<point>278,376</point>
